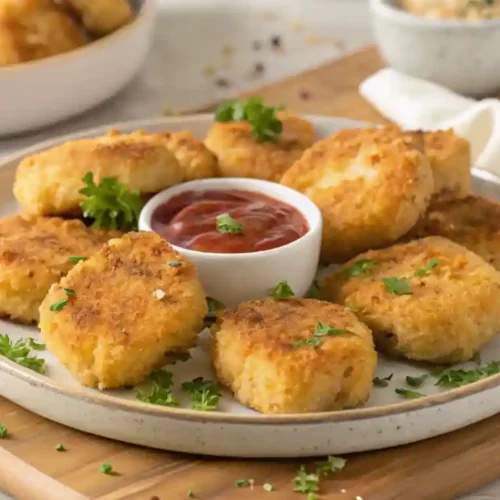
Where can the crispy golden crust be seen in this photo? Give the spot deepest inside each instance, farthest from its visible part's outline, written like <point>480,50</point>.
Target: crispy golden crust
<point>48,182</point>
<point>472,222</point>
<point>129,308</point>
<point>35,29</point>
<point>451,314</point>
<point>240,155</point>
<point>254,355</point>
<point>371,186</point>
<point>34,254</point>
<point>102,17</point>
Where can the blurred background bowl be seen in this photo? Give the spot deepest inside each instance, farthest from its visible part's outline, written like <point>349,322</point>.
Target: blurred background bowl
<point>46,91</point>
<point>463,55</point>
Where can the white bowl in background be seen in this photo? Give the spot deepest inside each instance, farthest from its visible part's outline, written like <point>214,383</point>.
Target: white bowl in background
<point>236,278</point>
<point>460,54</point>
<point>46,91</point>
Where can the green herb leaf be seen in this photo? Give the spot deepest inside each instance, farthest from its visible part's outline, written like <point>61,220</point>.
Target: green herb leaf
<point>407,394</point>
<point>36,346</point>
<point>227,225</point>
<point>322,330</point>
<point>428,267</point>
<point>75,260</point>
<point>162,378</point>
<point>205,394</point>
<point>242,483</point>
<point>268,487</point>
<point>3,431</point>
<point>60,447</point>
<point>304,482</point>
<point>68,291</point>
<point>398,286</point>
<point>111,204</point>
<point>264,124</point>
<point>311,341</point>
<point>160,391</point>
<point>214,305</point>
<point>281,291</point>
<point>58,306</point>
<point>174,263</point>
<point>330,466</point>
<point>457,378</point>
<point>416,381</point>
<point>359,268</point>
<point>312,496</point>
<point>106,469</point>
<point>314,292</point>
<point>190,494</point>
<point>20,353</point>
<point>179,357</point>
<point>382,382</point>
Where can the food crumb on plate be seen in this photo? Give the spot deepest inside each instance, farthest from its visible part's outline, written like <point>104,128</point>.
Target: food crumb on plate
<point>343,491</point>
<point>159,294</point>
<point>359,498</point>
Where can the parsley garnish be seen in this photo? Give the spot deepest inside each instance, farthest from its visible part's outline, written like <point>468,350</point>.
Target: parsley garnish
<point>227,225</point>
<point>190,494</point>
<point>457,378</point>
<point>330,466</point>
<point>214,305</point>
<point>268,487</point>
<point>37,346</point>
<point>265,126</point>
<point>174,263</point>
<point>382,382</point>
<point>359,268</point>
<point>68,291</point>
<point>75,260</point>
<point>321,330</point>
<point>314,292</point>
<point>304,482</point>
<point>428,267</point>
<point>19,352</point>
<point>242,483</point>
<point>106,469</point>
<point>416,381</point>
<point>281,291</point>
<point>205,394</point>
<point>312,496</point>
<point>160,391</point>
<point>408,394</point>
<point>3,431</point>
<point>111,204</point>
<point>398,286</point>
<point>58,306</point>
<point>60,447</point>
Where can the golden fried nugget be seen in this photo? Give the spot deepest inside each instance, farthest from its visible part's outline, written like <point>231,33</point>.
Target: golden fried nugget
<point>472,222</point>
<point>48,182</point>
<point>102,17</point>
<point>429,300</point>
<point>35,29</point>
<point>258,351</point>
<point>371,186</point>
<point>126,309</point>
<point>240,155</point>
<point>34,254</point>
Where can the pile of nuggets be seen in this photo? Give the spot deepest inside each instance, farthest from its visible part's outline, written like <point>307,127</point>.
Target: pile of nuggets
<point>418,275</point>
<point>36,29</point>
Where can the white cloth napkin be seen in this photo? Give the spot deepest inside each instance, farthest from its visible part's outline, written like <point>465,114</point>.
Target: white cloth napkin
<point>418,104</point>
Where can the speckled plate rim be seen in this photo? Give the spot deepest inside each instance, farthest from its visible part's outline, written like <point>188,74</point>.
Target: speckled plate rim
<point>105,400</point>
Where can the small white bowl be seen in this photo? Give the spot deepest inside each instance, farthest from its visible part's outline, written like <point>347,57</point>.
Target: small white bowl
<point>460,54</point>
<point>43,92</point>
<point>235,278</point>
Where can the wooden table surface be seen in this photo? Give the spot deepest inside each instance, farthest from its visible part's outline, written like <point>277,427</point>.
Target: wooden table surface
<point>441,468</point>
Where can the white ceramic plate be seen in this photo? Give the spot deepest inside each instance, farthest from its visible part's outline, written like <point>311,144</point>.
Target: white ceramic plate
<point>235,430</point>
<point>39,93</point>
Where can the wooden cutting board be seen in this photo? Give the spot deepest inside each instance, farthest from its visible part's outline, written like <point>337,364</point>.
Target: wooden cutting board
<point>438,469</point>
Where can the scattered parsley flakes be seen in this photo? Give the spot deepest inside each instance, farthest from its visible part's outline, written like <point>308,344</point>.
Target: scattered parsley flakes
<point>321,330</point>
<point>242,483</point>
<point>205,394</point>
<point>75,260</point>
<point>59,306</point>
<point>227,225</point>
<point>106,469</point>
<point>111,204</point>
<point>3,431</point>
<point>37,346</point>
<point>20,353</point>
<point>281,291</point>
<point>416,381</point>
<point>330,466</point>
<point>457,378</point>
<point>359,268</point>
<point>431,264</point>
<point>160,391</point>
<point>268,487</point>
<point>314,292</point>
<point>398,286</point>
<point>382,382</point>
<point>304,482</point>
<point>408,394</point>
<point>60,447</point>
<point>174,263</point>
<point>68,291</point>
<point>162,378</point>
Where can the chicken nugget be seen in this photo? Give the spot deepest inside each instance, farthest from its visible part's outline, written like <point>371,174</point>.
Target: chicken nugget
<point>35,252</point>
<point>473,222</point>
<point>102,17</point>
<point>430,300</point>
<point>48,183</point>
<point>240,155</point>
<point>113,318</point>
<point>294,355</point>
<point>371,186</point>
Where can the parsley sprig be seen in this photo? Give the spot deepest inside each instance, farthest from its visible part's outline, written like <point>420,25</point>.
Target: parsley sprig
<point>456,378</point>
<point>382,382</point>
<point>264,124</point>
<point>305,482</point>
<point>205,394</point>
<point>321,330</point>
<point>227,225</point>
<point>330,466</point>
<point>281,291</point>
<point>111,204</point>
<point>160,391</point>
<point>20,353</point>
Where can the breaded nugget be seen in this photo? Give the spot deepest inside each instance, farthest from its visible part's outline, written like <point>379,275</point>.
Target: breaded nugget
<point>429,300</point>
<point>35,29</point>
<point>126,307</point>
<point>472,222</point>
<point>240,155</point>
<point>102,16</point>
<point>48,182</point>
<point>371,186</point>
<point>34,254</point>
<point>262,351</point>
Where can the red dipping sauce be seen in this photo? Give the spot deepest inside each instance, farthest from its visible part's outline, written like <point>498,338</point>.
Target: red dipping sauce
<point>189,220</point>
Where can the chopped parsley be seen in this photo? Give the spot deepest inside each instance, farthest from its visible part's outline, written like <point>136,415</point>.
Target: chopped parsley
<point>68,291</point>
<point>3,431</point>
<point>160,391</point>
<point>243,483</point>
<point>382,382</point>
<point>314,292</point>
<point>321,330</point>
<point>359,268</point>
<point>312,496</point>
<point>408,394</point>
<point>20,353</point>
<point>60,447</point>
<point>398,286</point>
<point>227,225</point>
<point>281,291</point>
<point>416,381</point>
<point>58,306</point>
<point>37,346</point>
<point>110,204</point>
<point>264,124</point>
<point>268,487</point>
<point>106,469</point>
<point>205,394</point>
<point>190,494</point>
<point>305,482</point>
<point>457,378</point>
<point>75,260</point>
<point>330,466</point>
<point>214,305</point>
<point>174,263</point>
<point>428,267</point>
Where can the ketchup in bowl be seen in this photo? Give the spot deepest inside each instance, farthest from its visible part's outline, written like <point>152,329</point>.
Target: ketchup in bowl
<point>228,221</point>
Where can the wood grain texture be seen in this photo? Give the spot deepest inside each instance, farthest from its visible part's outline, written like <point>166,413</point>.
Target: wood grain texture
<point>438,469</point>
